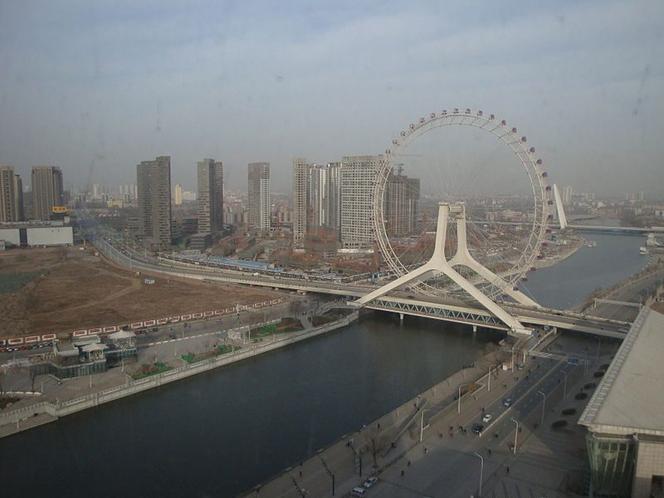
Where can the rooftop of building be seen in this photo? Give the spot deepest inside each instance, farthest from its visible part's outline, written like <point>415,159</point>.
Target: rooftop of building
<point>34,224</point>
<point>629,398</point>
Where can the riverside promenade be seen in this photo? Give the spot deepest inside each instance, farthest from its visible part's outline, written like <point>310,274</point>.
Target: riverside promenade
<point>426,447</point>
<point>38,412</point>
<point>335,470</point>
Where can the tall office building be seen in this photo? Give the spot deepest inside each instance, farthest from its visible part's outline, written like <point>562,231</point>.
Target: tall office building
<point>334,196</point>
<point>7,194</point>
<point>568,192</point>
<point>218,217</point>
<point>18,197</point>
<point>358,175</point>
<point>178,195</point>
<point>259,196</point>
<point>400,204</point>
<point>210,196</point>
<point>316,198</point>
<point>154,202</point>
<point>47,191</point>
<point>300,201</point>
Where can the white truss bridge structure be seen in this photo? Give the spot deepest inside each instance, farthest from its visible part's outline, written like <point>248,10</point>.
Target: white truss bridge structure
<point>439,265</point>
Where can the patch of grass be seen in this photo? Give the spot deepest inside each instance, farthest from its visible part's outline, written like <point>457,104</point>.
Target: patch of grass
<point>265,331</point>
<point>189,357</point>
<point>225,349</point>
<point>12,282</point>
<point>147,370</point>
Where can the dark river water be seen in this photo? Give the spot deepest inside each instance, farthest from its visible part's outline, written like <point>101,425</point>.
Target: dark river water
<point>222,432</point>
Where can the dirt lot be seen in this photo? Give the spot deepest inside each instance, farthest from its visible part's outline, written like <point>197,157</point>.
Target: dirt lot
<point>71,289</point>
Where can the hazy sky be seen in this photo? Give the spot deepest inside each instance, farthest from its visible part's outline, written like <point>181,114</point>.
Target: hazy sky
<point>95,87</point>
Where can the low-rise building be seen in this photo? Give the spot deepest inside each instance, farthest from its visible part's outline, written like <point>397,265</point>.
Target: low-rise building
<point>625,416</point>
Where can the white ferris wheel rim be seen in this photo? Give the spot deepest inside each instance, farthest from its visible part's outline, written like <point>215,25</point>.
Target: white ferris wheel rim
<point>508,135</point>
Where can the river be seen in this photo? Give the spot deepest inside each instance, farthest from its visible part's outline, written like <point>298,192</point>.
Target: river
<point>222,432</point>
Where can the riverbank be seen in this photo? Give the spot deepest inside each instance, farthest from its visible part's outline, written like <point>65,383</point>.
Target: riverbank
<point>569,251</point>
<point>378,444</point>
<point>39,413</point>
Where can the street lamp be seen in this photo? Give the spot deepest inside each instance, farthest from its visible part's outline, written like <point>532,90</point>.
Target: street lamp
<point>459,398</point>
<point>513,346</point>
<point>543,405</point>
<point>516,433</point>
<point>481,471</point>
<point>422,425</point>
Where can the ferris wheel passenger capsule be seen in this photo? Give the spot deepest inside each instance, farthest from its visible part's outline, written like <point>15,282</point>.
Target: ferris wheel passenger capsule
<point>531,150</point>
<point>395,141</point>
<point>479,113</point>
<point>432,115</point>
<point>513,130</point>
<point>548,188</point>
<point>422,120</point>
<point>444,113</point>
<point>544,174</point>
<point>539,161</point>
<point>403,133</point>
<point>492,116</point>
<point>456,110</point>
<point>523,139</point>
<point>412,126</point>
<point>467,110</point>
<point>503,122</point>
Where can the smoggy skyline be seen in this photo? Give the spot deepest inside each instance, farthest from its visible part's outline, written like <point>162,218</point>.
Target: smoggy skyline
<point>97,87</point>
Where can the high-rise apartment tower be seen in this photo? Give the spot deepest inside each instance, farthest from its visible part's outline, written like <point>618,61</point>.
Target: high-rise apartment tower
<point>210,196</point>
<point>47,191</point>
<point>259,196</point>
<point>358,176</point>
<point>154,202</point>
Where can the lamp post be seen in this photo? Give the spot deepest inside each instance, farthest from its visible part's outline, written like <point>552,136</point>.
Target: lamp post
<point>541,393</point>
<point>422,425</point>
<point>513,346</point>
<point>459,398</point>
<point>516,433</point>
<point>479,493</point>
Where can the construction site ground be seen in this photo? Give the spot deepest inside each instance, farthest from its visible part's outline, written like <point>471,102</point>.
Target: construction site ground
<point>64,288</point>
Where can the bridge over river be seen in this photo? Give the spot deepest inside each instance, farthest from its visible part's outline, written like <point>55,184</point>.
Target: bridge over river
<point>446,309</point>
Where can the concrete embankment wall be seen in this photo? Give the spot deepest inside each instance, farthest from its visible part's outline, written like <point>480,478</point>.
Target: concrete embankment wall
<point>11,420</point>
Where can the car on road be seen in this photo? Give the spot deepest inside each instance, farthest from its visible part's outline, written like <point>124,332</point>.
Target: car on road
<point>370,482</point>
<point>507,402</point>
<point>487,418</point>
<point>477,429</point>
<point>358,491</point>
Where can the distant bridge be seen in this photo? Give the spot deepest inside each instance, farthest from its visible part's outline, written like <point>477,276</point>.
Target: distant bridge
<point>399,302</point>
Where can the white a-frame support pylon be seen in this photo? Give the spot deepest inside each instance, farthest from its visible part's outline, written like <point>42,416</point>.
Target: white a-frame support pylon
<point>562,218</point>
<point>438,264</point>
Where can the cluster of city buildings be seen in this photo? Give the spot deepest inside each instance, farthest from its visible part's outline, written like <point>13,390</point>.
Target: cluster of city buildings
<point>333,199</point>
<point>38,218</point>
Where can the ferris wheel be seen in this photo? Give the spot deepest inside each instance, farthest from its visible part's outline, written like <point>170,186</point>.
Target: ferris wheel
<point>536,223</point>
